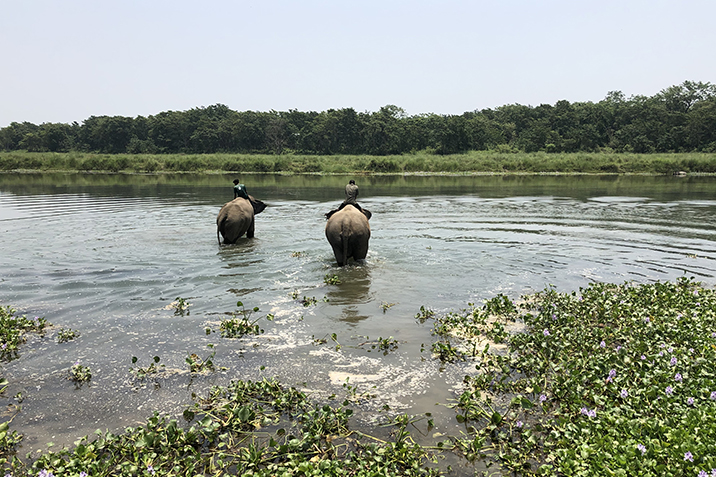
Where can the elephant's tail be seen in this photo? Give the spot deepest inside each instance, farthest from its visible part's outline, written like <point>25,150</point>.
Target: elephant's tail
<point>344,240</point>
<point>219,226</point>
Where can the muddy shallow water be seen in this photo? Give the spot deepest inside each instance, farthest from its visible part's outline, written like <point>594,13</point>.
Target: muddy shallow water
<point>108,254</point>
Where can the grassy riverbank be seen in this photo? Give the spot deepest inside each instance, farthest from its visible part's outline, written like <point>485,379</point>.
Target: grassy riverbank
<point>473,162</point>
<point>609,380</point>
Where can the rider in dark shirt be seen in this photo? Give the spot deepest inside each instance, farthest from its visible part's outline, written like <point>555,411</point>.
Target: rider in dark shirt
<point>240,190</point>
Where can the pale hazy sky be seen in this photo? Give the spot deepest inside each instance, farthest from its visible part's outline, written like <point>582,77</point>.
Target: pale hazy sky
<point>65,61</point>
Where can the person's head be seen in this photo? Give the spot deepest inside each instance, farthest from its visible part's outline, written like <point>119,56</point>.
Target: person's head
<point>236,181</point>
<point>351,181</point>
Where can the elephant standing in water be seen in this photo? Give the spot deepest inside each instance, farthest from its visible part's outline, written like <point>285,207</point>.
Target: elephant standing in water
<point>348,233</point>
<point>236,218</point>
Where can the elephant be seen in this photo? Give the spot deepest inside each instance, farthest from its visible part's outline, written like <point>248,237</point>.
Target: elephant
<point>236,218</point>
<point>348,232</point>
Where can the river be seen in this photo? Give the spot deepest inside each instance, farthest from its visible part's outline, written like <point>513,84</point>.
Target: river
<point>107,255</point>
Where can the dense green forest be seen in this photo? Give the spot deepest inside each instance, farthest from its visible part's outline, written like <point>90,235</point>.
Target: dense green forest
<point>678,119</point>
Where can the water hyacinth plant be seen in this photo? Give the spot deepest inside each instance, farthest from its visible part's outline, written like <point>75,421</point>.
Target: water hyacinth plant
<point>79,373</point>
<point>198,365</point>
<point>623,383</point>
<point>181,306</point>
<point>141,373</point>
<point>246,428</point>
<point>63,336</point>
<point>240,323</point>
<point>607,380</point>
<point>13,329</point>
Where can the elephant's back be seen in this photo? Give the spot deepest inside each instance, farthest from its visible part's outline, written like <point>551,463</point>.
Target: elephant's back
<point>349,219</point>
<point>238,207</point>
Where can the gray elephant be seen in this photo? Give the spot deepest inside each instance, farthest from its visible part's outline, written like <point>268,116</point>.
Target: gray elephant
<point>348,232</point>
<point>236,218</point>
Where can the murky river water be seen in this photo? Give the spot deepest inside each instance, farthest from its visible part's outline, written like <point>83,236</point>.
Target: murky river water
<point>107,255</point>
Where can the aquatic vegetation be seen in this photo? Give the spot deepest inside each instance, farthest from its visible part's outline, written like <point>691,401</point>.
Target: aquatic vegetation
<point>141,373</point>
<point>331,279</point>
<point>9,439</point>
<point>353,395</point>
<point>381,344</point>
<point>613,379</point>
<point>240,323</point>
<point>385,306</point>
<point>79,373</point>
<point>424,315</point>
<point>13,329</point>
<point>64,335</point>
<point>181,306</point>
<point>297,437</point>
<point>197,364</point>
<point>607,380</point>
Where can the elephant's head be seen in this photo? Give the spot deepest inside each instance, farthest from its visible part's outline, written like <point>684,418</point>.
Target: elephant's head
<point>258,205</point>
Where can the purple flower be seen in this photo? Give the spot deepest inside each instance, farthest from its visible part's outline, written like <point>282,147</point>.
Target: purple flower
<point>689,456</point>
<point>619,347</point>
<point>642,448</point>
<point>83,474</point>
<point>592,413</point>
<point>646,320</point>
<point>545,332</point>
<point>703,474</point>
<point>602,344</point>
<point>612,374</point>
<point>542,398</point>
<point>519,424</point>
<point>713,395</point>
<point>673,361</point>
<point>624,394</point>
<point>677,378</point>
<point>150,469</point>
<point>584,411</point>
<point>669,390</point>
<point>643,357</point>
<point>690,401</point>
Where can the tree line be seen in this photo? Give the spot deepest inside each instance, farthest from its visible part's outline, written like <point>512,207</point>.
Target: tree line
<point>680,118</point>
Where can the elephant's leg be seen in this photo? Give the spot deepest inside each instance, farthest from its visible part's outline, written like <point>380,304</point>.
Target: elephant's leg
<point>250,231</point>
<point>359,247</point>
<point>338,252</point>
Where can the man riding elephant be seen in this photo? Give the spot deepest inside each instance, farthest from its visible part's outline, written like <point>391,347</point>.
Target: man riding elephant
<point>240,190</point>
<point>351,196</point>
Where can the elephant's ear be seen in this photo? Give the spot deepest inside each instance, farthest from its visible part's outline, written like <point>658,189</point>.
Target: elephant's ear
<point>367,213</point>
<point>258,205</point>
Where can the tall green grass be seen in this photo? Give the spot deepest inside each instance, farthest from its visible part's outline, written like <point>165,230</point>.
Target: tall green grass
<point>472,162</point>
